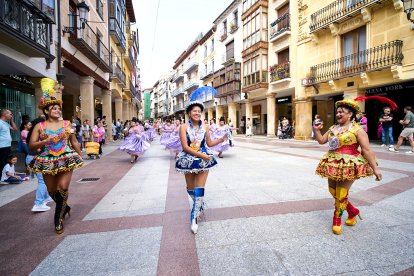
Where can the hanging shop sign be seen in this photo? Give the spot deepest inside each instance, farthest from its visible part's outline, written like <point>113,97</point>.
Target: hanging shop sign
<point>390,88</point>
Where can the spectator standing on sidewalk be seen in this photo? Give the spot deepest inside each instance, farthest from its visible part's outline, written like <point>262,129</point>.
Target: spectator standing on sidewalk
<point>344,163</point>
<point>6,116</point>
<point>99,135</point>
<point>408,131</point>
<point>86,133</point>
<point>243,126</point>
<point>24,130</point>
<point>249,128</point>
<point>363,121</point>
<point>41,196</point>
<point>386,125</point>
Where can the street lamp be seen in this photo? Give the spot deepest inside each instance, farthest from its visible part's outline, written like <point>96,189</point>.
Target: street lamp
<point>83,9</point>
<point>408,9</point>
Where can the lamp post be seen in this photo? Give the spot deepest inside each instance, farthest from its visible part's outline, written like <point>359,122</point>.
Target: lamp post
<point>408,9</point>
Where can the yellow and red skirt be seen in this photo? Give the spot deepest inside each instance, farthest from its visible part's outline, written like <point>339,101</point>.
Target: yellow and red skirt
<point>344,164</point>
<point>49,164</point>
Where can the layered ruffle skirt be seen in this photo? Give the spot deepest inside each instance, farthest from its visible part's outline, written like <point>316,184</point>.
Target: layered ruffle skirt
<point>174,143</point>
<point>49,164</point>
<point>341,167</point>
<point>187,163</point>
<point>134,145</point>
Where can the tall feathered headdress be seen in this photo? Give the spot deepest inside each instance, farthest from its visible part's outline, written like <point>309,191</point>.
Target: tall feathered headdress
<point>381,99</point>
<point>48,93</point>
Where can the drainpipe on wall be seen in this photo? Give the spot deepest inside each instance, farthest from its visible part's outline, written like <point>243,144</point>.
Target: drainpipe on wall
<point>59,75</point>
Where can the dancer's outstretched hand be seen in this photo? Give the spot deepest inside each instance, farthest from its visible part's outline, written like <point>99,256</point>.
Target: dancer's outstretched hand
<point>206,157</point>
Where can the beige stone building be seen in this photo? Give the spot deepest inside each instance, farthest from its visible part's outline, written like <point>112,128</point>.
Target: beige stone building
<point>349,49</point>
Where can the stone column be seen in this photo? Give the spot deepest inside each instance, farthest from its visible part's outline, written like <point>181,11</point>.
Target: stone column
<point>118,109</point>
<point>303,126</point>
<point>233,115</point>
<point>87,99</point>
<point>219,112</point>
<point>125,110</point>
<point>271,115</point>
<point>354,93</point>
<point>249,111</point>
<point>210,114</point>
<point>107,111</point>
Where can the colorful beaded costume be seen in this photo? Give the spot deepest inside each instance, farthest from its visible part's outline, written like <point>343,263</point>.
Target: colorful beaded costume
<point>343,160</point>
<point>57,155</point>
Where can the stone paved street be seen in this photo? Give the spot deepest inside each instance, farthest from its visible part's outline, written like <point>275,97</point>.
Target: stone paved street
<point>268,214</point>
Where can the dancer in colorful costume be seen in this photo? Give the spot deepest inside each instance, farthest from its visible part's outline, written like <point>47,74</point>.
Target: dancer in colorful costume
<point>343,164</point>
<point>217,132</point>
<point>134,144</point>
<point>57,160</point>
<point>167,130</point>
<point>196,158</point>
<point>174,143</point>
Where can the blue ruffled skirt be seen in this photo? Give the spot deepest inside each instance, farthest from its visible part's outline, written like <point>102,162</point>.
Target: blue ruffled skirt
<point>187,163</point>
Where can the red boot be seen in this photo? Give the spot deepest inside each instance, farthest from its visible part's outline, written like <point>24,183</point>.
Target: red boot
<point>336,224</point>
<point>352,213</point>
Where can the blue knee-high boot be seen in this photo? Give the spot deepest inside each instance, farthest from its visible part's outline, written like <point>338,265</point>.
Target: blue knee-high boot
<point>197,208</point>
<point>190,193</point>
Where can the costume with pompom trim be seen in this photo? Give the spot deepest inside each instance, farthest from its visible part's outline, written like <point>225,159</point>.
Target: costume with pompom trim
<point>57,155</point>
<point>344,161</point>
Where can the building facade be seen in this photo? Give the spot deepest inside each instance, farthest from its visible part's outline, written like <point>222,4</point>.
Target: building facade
<point>358,48</point>
<point>228,58</point>
<point>26,55</point>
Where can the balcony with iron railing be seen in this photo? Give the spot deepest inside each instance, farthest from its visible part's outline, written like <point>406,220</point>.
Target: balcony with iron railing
<point>373,59</point>
<point>190,66</point>
<point>280,27</point>
<point>129,58</point>
<point>223,34</point>
<point>118,75</point>
<point>234,25</point>
<point>206,73</point>
<point>24,29</point>
<point>339,11</point>
<point>177,91</point>
<point>89,44</point>
<point>279,72</point>
<point>117,33</point>
<point>190,85</point>
<point>132,88</point>
<point>178,107</point>
<point>178,76</point>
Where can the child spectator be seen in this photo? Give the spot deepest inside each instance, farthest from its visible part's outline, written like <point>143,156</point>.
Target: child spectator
<point>9,175</point>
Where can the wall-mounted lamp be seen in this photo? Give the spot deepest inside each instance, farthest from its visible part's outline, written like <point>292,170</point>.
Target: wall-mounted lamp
<point>83,9</point>
<point>408,9</point>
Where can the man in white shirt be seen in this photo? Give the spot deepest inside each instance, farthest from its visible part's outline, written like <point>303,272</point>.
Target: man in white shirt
<point>6,116</point>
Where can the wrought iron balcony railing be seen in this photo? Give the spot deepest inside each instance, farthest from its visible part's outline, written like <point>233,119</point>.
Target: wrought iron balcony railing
<point>178,76</point>
<point>177,91</point>
<point>234,25</point>
<point>279,26</point>
<point>279,71</point>
<point>178,107</point>
<point>223,34</point>
<point>132,88</point>
<point>190,84</point>
<point>338,11</point>
<point>87,41</point>
<point>373,59</point>
<point>21,24</point>
<point>190,66</point>
<point>117,33</point>
<point>118,73</point>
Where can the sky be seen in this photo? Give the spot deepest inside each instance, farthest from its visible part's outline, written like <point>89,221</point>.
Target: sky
<point>179,23</point>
